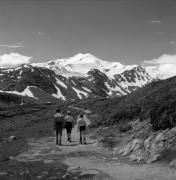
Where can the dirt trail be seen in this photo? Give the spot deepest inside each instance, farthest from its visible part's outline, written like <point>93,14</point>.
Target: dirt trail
<point>92,157</point>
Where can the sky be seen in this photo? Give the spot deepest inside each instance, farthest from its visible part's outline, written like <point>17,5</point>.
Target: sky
<point>126,31</point>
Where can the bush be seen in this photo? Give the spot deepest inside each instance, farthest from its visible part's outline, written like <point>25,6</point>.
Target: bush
<point>164,116</point>
<point>125,127</point>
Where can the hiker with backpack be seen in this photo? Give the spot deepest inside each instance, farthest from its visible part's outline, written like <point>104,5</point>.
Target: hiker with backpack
<point>82,129</point>
<point>59,124</point>
<point>69,124</point>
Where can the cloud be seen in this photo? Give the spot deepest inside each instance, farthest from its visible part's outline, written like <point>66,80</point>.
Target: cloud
<point>172,43</point>
<point>164,59</point>
<point>154,21</point>
<point>16,45</point>
<point>162,67</point>
<point>13,59</point>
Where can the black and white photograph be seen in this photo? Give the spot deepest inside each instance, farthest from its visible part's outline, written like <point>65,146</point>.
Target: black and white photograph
<point>87,89</point>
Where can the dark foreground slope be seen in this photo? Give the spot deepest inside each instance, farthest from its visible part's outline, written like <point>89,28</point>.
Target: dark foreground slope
<point>25,121</point>
<point>155,101</point>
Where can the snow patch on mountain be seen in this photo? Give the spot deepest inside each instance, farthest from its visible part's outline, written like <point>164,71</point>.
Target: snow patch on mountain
<point>26,92</point>
<point>114,89</point>
<point>59,94</point>
<point>80,93</point>
<point>86,89</point>
<point>61,83</point>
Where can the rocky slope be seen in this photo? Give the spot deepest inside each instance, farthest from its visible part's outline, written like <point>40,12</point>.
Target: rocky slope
<point>82,76</point>
<point>146,120</point>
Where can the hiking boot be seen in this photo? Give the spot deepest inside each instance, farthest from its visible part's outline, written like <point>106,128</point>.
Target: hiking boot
<point>84,141</point>
<point>69,139</point>
<point>57,142</point>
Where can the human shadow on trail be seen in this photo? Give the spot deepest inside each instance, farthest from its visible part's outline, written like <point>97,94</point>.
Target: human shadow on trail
<point>90,143</point>
<point>76,144</point>
<point>70,144</point>
<point>74,141</point>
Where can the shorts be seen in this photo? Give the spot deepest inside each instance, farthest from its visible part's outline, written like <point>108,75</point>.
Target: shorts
<point>59,128</point>
<point>59,131</point>
<point>68,127</point>
<point>82,128</point>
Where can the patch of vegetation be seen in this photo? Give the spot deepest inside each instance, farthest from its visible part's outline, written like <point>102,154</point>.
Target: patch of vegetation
<point>155,101</point>
<point>164,115</point>
<point>125,127</point>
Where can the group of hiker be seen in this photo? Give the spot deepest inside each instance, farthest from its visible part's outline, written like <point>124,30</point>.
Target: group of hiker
<point>67,122</point>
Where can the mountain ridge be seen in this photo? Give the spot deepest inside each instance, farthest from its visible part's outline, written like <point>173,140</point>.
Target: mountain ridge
<point>73,78</point>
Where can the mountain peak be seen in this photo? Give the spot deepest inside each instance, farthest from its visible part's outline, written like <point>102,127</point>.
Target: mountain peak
<point>82,63</point>
<point>82,55</point>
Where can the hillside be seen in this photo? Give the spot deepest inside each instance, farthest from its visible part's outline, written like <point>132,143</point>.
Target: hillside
<point>8,100</point>
<point>155,101</point>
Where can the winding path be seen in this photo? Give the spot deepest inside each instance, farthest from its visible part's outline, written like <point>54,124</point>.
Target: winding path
<point>92,157</point>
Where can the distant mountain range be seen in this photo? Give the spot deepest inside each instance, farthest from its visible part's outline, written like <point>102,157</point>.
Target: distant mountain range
<point>78,77</point>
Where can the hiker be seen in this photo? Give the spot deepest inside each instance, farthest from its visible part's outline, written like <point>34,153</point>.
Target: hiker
<point>69,125</point>
<point>59,123</point>
<point>82,128</point>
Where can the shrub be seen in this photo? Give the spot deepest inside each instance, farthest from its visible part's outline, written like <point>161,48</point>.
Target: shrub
<point>125,127</point>
<point>164,116</point>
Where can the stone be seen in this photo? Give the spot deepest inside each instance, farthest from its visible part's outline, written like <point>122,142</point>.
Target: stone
<point>147,142</point>
<point>89,172</point>
<point>27,172</point>
<point>11,158</point>
<point>22,173</point>
<point>12,138</point>
<point>138,155</point>
<point>154,159</point>
<point>65,175</point>
<point>45,173</point>
<point>137,144</point>
<point>3,173</point>
<point>173,163</point>
<point>73,168</point>
<point>125,150</point>
<point>39,177</point>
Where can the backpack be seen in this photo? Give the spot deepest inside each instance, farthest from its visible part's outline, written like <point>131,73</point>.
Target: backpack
<point>82,122</point>
<point>58,118</point>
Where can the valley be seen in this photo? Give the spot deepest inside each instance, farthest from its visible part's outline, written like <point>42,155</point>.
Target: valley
<point>34,155</point>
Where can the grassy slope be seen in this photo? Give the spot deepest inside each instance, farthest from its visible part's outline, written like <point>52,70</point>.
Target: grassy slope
<point>155,101</point>
<point>25,121</point>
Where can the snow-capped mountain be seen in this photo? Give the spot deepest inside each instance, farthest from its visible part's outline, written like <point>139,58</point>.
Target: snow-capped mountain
<point>80,64</point>
<point>78,77</point>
